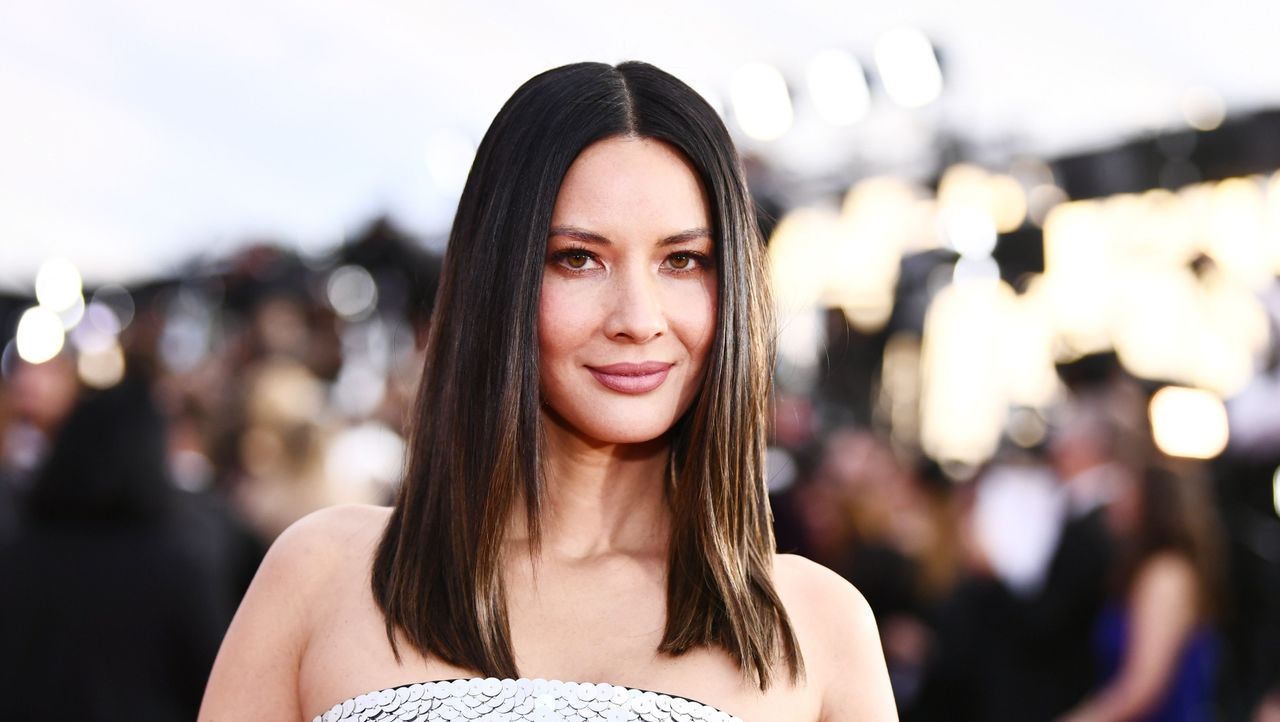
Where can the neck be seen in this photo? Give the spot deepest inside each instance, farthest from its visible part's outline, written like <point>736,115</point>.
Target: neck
<point>602,499</point>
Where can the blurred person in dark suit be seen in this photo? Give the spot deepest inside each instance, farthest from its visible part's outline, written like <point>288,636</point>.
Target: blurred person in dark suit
<point>1095,450</point>
<point>1020,652</point>
<point>113,602</point>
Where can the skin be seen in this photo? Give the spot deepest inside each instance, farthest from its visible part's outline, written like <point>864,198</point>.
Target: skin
<point>590,606</point>
<point>1268,709</point>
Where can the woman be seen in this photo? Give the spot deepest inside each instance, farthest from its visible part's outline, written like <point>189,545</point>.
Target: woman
<point>1156,647</point>
<point>584,497</point>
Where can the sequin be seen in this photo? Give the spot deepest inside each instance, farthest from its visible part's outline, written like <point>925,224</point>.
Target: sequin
<point>519,700</point>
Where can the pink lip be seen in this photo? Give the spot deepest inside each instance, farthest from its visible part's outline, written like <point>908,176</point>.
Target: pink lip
<point>632,378</point>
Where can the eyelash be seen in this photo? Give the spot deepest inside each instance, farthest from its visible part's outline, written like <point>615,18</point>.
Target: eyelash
<point>559,257</point>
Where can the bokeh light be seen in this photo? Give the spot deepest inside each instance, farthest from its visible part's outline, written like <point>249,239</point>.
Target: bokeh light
<point>1154,323</point>
<point>99,330</point>
<point>1026,427</point>
<point>964,399</point>
<point>1275,492</point>
<point>1027,355</point>
<point>908,67</point>
<point>1042,199</point>
<point>1235,236</point>
<point>970,231</point>
<point>1189,423</point>
<point>1008,203</point>
<point>119,300</point>
<point>101,368</point>
<point>368,455</point>
<point>965,204</point>
<point>71,315</point>
<point>40,335</point>
<point>352,292</point>
<point>1076,286</point>
<point>800,237</point>
<point>1203,108</point>
<point>58,284</point>
<point>878,218</point>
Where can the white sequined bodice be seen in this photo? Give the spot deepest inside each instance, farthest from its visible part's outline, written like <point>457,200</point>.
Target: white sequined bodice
<point>520,700</point>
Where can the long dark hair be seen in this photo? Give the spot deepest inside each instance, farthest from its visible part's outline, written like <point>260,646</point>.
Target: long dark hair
<point>1176,515</point>
<point>475,445</point>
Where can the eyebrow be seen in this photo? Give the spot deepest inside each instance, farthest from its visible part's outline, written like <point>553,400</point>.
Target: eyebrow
<point>586,236</point>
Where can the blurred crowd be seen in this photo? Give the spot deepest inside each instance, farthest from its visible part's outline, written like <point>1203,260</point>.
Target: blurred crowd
<point>136,506</point>
<point>1088,577</point>
<point>1085,576</point>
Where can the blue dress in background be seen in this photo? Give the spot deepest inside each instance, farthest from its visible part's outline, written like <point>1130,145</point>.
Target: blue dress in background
<point>1190,696</point>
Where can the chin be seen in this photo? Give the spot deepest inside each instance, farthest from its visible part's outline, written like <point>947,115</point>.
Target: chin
<point>630,435</point>
<point>603,427</point>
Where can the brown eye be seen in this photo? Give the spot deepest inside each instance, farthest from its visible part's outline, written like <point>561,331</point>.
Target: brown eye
<point>679,262</point>
<point>576,260</point>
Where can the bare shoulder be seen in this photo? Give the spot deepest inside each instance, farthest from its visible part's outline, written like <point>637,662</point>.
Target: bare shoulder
<point>1167,569</point>
<point>1165,582</point>
<point>821,601</point>
<point>331,545</point>
<point>839,639</point>
<point>256,671</point>
<point>332,532</point>
<point>817,590</point>
<point>332,541</point>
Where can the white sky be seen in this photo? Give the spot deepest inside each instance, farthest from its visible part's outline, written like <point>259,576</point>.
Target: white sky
<point>136,134</point>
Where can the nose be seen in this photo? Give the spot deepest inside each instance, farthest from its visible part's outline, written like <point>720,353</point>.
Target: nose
<point>636,310</point>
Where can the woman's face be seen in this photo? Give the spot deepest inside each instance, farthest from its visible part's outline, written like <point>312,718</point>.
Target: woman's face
<point>628,303</point>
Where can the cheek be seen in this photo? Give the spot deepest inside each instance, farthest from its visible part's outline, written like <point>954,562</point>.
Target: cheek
<point>561,321</point>
<point>696,315</point>
<point>548,329</point>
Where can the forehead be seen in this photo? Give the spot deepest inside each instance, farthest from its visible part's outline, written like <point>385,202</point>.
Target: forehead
<point>625,183</point>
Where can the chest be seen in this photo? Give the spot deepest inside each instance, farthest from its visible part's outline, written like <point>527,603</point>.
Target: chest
<point>597,627</point>
<point>589,618</point>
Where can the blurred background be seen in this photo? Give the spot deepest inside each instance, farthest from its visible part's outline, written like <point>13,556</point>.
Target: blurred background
<point>1025,256</point>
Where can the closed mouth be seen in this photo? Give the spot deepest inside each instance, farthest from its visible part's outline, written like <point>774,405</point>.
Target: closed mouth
<point>631,378</point>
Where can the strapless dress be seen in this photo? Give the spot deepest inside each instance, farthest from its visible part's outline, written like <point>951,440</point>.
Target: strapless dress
<point>520,700</point>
